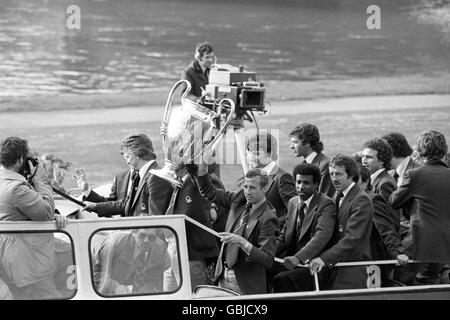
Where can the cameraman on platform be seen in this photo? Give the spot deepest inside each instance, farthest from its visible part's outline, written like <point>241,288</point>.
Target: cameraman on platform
<point>197,72</point>
<point>28,260</point>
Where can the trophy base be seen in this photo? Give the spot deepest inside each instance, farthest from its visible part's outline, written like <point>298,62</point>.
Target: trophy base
<point>168,173</point>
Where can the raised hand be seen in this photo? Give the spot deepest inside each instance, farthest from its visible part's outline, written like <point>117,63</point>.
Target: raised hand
<point>80,177</point>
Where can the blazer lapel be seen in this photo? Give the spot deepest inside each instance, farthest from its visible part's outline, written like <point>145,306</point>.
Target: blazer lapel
<point>253,219</point>
<point>271,176</point>
<point>347,200</point>
<point>291,223</point>
<point>309,214</point>
<point>235,213</point>
<point>142,182</point>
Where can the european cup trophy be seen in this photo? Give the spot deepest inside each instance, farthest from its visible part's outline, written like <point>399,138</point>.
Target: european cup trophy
<point>189,131</point>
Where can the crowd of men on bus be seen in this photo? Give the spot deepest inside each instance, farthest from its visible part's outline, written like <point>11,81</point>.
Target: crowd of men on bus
<point>277,230</point>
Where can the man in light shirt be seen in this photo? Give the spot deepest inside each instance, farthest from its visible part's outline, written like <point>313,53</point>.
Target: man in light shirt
<point>306,143</point>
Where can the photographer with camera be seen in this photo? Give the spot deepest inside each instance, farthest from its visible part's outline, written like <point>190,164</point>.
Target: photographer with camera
<point>29,259</point>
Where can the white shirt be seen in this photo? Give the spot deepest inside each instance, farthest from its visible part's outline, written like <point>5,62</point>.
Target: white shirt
<point>268,168</point>
<point>307,201</point>
<point>309,159</point>
<point>345,192</point>
<point>144,169</point>
<point>401,168</point>
<point>374,175</point>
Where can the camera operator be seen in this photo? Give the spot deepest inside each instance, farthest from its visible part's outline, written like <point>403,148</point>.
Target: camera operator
<point>197,72</point>
<point>28,259</point>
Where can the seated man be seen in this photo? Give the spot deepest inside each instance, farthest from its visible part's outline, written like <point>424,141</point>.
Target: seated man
<point>351,238</point>
<point>249,242</point>
<point>129,262</point>
<point>308,229</point>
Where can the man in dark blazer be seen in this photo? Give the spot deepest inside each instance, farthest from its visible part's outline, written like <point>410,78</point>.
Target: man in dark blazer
<point>119,187</point>
<point>377,156</point>
<point>202,246</point>
<point>261,152</point>
<point>308,229</point>
<point>402,162</point>
<point>305,142</point>
<point>251,232</point>
<point>146,194</point>
<point>385,237</point>
<point>351,239</point>
<point>427,190</point>
<point>197,72</point>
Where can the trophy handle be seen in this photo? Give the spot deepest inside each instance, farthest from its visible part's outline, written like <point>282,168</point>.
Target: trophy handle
<point>219,135</point>
<point>169,106</point>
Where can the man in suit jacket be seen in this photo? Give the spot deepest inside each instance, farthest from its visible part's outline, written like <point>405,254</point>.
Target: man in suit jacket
<point>249,242</point>
<point>119,188</point>
<point>376,157</point>
<point>402,162</point>
<point>116,261</point>
<point>197,72</point>
<point>261,152</point>
<point>427,189</point>
<point>385,238</point>
<point>351,239</point>
<point>147,194</point>
<point>308,229</point>
<point>202,245</point>
<point>305,142</point>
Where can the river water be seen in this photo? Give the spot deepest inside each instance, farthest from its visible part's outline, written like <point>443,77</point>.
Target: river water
<point>125,45</point>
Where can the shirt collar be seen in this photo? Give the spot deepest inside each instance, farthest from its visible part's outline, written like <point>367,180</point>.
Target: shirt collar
<point>268,168</point>
<point>307,202</point>
<point>402,167</point>
<point>310,158</point>
<point>347,190</point>
<point>258,204</point>
<point>11,175</point>
<point>144,169</point>
<point>374,175</point>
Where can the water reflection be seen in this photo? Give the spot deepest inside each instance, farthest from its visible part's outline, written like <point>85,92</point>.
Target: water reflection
<point>144,44</point>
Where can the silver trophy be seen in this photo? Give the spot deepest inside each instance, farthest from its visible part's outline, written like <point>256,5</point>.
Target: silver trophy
<point>188,131</point>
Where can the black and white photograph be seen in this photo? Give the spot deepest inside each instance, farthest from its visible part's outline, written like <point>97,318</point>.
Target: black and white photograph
<point>236,151</point>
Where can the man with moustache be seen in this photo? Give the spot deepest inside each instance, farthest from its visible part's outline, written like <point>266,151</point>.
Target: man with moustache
<point>305,142</point>
<point>308,229</point>
<point>351,238</point>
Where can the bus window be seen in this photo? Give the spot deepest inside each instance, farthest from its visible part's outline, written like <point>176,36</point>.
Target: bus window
<point>36,266</point>
<point>134,261</point>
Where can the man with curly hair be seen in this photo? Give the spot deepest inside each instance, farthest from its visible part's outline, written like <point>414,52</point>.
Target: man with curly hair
<point>427,189</point>
<point>306,143</point>
<point>376,157</point>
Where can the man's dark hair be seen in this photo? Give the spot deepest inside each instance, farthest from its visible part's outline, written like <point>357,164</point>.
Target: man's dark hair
<point>307,169</point>
<point>383,149</point>
<point>364,173</point>
<point>399,144</point>
<point>263,178</point>
<point>431,144</point>
<point>308,133</point>
<point>139,145</point>
<point>265,142</point>
<point>350,165</point>
<point>13,149</point>
<point>202,49</point>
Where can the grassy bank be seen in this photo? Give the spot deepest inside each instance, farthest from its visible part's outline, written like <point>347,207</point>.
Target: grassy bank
<point>276,91</point>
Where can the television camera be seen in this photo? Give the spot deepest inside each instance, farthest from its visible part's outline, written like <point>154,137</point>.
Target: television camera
<point>226,81</point>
